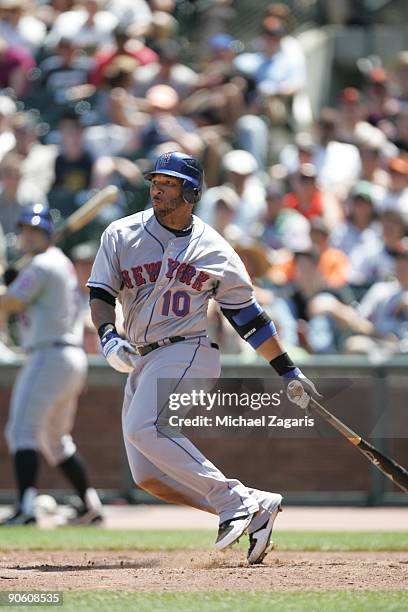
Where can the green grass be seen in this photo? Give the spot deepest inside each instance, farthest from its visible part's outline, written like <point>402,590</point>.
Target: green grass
<point>338,601</point>
<point>91,538</point>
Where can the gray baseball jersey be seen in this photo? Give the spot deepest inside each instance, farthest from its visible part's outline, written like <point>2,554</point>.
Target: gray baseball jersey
<point>163,281</point>
<point>48,286</point>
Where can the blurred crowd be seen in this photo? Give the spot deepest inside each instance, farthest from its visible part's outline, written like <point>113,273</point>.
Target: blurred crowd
<point>92,91</point>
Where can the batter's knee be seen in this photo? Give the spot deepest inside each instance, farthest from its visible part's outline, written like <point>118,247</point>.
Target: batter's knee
<point>19,439</point>
<point>141,437</point>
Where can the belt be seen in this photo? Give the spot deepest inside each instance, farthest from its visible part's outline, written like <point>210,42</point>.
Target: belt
<point>148,348</point>
<point>57,344</point>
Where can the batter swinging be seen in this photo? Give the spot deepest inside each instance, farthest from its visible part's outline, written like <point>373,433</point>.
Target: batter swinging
<point>164,265</point>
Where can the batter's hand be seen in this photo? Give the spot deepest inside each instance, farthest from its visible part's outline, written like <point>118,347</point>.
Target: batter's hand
<point>118,352</point>
<point>300,389</point>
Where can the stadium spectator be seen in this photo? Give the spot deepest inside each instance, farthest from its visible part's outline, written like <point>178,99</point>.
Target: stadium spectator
<point>309,200</point>
<point>8,110</point>
<point>333,263</point>
<point>167,71</point>
<point>87,24</point>
<point>14,193</point>
<point>20,29</point>
<point>337,163</point>
<point>379,325</point>
<point>396,196</point>
<point>282,227</point>
<point>373,147</point>
<point>351,110</point>
<point>37,167</point>
<point>382,106</point>
<point>66,68</point>
<point>278,70</point>
<point>73,165</point>
<point>358,235</point>
<point>317,332</point>
<point>256,261</point>
<point>15,66</point>
<point>124,46</point>
<point>240,168</point>
<point>379,264</point>
<point>166,126</point>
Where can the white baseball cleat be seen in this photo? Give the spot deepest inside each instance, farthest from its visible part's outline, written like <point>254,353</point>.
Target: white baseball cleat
<point>260,539</point>
<point>230,531</point>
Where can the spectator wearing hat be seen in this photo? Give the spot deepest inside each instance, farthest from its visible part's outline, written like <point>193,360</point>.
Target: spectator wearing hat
<point>225,208</point>
<point>373,147</point>
<point>359,235</point>
<point>396,196</point>
<point>21,30</point>
<point>241,174</point>
<point>301,151</point>
<point>352,110</point>
<point>382,105</point>
<point>88,24</point>
<point>309,200</point>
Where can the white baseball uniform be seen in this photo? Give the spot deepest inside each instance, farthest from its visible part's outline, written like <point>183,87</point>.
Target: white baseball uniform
<point>164,282</point>
<point>44,398</point>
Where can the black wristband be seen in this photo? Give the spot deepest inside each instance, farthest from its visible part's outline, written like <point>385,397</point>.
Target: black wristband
<point>102,329</point>
<point>282,364</point>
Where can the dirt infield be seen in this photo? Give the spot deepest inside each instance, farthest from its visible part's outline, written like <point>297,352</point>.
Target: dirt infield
<point>202,571</point>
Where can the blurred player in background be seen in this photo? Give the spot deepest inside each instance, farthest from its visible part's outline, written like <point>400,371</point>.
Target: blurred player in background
<point>45,395</point>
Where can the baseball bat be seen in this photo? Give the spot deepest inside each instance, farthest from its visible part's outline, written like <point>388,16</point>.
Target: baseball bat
<point>78,219</point>
<point>87,212</point>
<point>395,472</point>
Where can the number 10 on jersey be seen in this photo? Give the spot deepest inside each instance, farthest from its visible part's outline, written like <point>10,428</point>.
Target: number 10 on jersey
<point>179,302</point>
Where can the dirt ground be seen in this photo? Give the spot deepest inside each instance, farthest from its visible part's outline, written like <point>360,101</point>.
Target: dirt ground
<point>202,571</point>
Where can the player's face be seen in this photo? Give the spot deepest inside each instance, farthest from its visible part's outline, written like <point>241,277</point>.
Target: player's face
<point>32,240</point>
<point>166,195</point>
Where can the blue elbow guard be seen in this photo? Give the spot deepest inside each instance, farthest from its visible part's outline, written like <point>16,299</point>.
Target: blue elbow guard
<point>252,324</point>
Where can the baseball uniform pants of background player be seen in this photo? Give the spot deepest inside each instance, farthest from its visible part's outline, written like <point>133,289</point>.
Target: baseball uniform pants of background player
<point>172,467</point>
<point>44,402</point>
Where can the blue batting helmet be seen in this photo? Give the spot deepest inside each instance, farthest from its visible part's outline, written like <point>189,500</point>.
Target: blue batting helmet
<point>37,215</point>
<point>184,167</point>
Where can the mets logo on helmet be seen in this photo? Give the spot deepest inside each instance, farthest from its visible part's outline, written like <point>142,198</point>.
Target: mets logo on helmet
<point>164,159</point>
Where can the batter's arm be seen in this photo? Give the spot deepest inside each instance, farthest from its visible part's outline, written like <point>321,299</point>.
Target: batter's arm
<point>102,313</point>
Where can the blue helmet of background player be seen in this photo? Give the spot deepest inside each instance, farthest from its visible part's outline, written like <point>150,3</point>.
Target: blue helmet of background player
<point>182,166</point>
<point>37,215</point>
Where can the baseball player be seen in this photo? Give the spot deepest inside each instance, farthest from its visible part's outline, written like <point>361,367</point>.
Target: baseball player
<point>163,265</point>
<point>44,398</point>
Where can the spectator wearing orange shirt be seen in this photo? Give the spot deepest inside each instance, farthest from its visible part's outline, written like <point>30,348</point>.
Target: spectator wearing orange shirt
<point>309,200</point>
<point>333,263</point>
